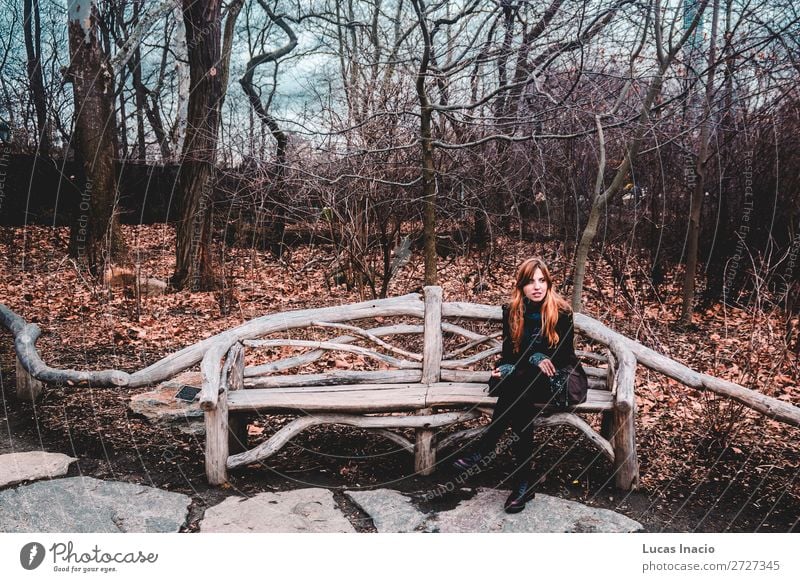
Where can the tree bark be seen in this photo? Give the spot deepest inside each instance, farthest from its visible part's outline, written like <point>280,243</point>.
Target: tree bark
<point>426,142</point>
<point>197,173</point>
<point>701,170</point>
<point>98,237</point>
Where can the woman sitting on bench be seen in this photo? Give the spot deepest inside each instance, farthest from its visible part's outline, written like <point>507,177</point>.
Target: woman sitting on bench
<point>537,360</point>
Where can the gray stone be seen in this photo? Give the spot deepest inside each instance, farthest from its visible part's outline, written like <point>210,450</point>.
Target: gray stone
<point>301,510</point>
<point>87,505</point>
<point>391,512</point>
<point>161,407</point>
<point>18,467</point>
<point>544,514</point>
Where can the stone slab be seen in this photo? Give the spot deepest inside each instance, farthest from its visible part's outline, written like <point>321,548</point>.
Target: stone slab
<point>484,513</point>
<point>391,511</point>
<point>161,407</point>
<point>310,510</point>
<point>87,505</point>
<point>31,466</point>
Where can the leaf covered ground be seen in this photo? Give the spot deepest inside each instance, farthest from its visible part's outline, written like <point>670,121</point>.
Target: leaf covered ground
<point>707,464</point>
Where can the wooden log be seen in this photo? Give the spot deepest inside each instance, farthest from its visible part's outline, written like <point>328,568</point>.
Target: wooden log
<point>596,376</point>
<point>607,418</point>
<point>323,345</point>
<point>400,440</point>
<point>471,360</point>
<point>594,372</point>
<point>232,380</point>
<point>626,463</point>
<point>28,388</point>
<point>432,338</point>
<point>298,425</point>
<point>211,373</point>
<point>217,433</point>
<point>541,421</point>
<point>433,342</point>
<point>469,376</point>
<point>11,321</point>
<point>472,310</point>
<point>473,343</point>
<point>448,327</point>
<point>349,398</point>
<point>577,422</point>
<point>25,345</point>
<point>307,358</point>
<point>373,338</point>
<point>444,394</point>
<point>335,378</point>
<point>383,398</point>
<point>583,354</point>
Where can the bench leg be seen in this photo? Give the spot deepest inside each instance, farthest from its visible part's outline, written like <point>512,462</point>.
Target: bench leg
<point>217,445</point>
<point>28,387</point>
<point>626,463</point>
<point>424,448</point>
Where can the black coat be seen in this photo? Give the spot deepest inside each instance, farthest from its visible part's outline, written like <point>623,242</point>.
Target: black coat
<point>562,354</point>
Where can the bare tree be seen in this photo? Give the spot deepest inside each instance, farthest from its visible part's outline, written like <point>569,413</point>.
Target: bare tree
<point>665,55</point>
<point>197,170</point>
<point>281,139</point>
<point>97,232</point>
<point>701,170</point>
<point>33,47</point>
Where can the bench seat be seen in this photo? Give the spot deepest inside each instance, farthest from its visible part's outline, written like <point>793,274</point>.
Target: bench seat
<point>367,398</point>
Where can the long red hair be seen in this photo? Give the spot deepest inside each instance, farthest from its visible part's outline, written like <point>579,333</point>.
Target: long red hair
<point>552,303</point>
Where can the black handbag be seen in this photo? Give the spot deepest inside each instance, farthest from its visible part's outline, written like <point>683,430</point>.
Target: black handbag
<point>568,386</point>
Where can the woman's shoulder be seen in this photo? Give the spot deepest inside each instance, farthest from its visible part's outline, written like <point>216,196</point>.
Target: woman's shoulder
<point>565,313</point>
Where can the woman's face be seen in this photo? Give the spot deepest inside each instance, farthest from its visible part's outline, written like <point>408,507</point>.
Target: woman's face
<point>536,288</point>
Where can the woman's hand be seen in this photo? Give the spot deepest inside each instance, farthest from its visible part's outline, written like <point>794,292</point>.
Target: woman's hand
<point>496,373</point>
<point>547,367</point>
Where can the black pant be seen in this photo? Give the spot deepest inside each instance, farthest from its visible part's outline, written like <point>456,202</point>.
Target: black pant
<point>515,408</point>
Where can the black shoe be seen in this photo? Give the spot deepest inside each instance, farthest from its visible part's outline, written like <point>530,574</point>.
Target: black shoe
<point>521,494</point>
<point>467,462</point>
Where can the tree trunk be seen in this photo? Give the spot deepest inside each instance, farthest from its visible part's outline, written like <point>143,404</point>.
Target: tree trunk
<point>426,141</point>
<point>601,197</point>
<point>196,176</point>
<point>33,48</point>
<point>184,82</point>
<point>141,102</point>
<point>279,189</point>
<point>98,237</point>
<point>699,188</point>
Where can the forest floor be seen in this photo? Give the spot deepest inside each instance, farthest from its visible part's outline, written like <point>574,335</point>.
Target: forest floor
<point>707,464</point>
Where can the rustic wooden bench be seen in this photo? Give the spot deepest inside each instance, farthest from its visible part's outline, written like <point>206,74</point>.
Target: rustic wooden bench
<point>425,390</point>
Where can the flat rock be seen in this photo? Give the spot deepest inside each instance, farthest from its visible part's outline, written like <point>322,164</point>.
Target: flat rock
<point>31,466</point>
<point>161,407</point>
<point>391,512</point>
<point>302,510</point>
<point>87,505</point>
<point>544,514</point>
